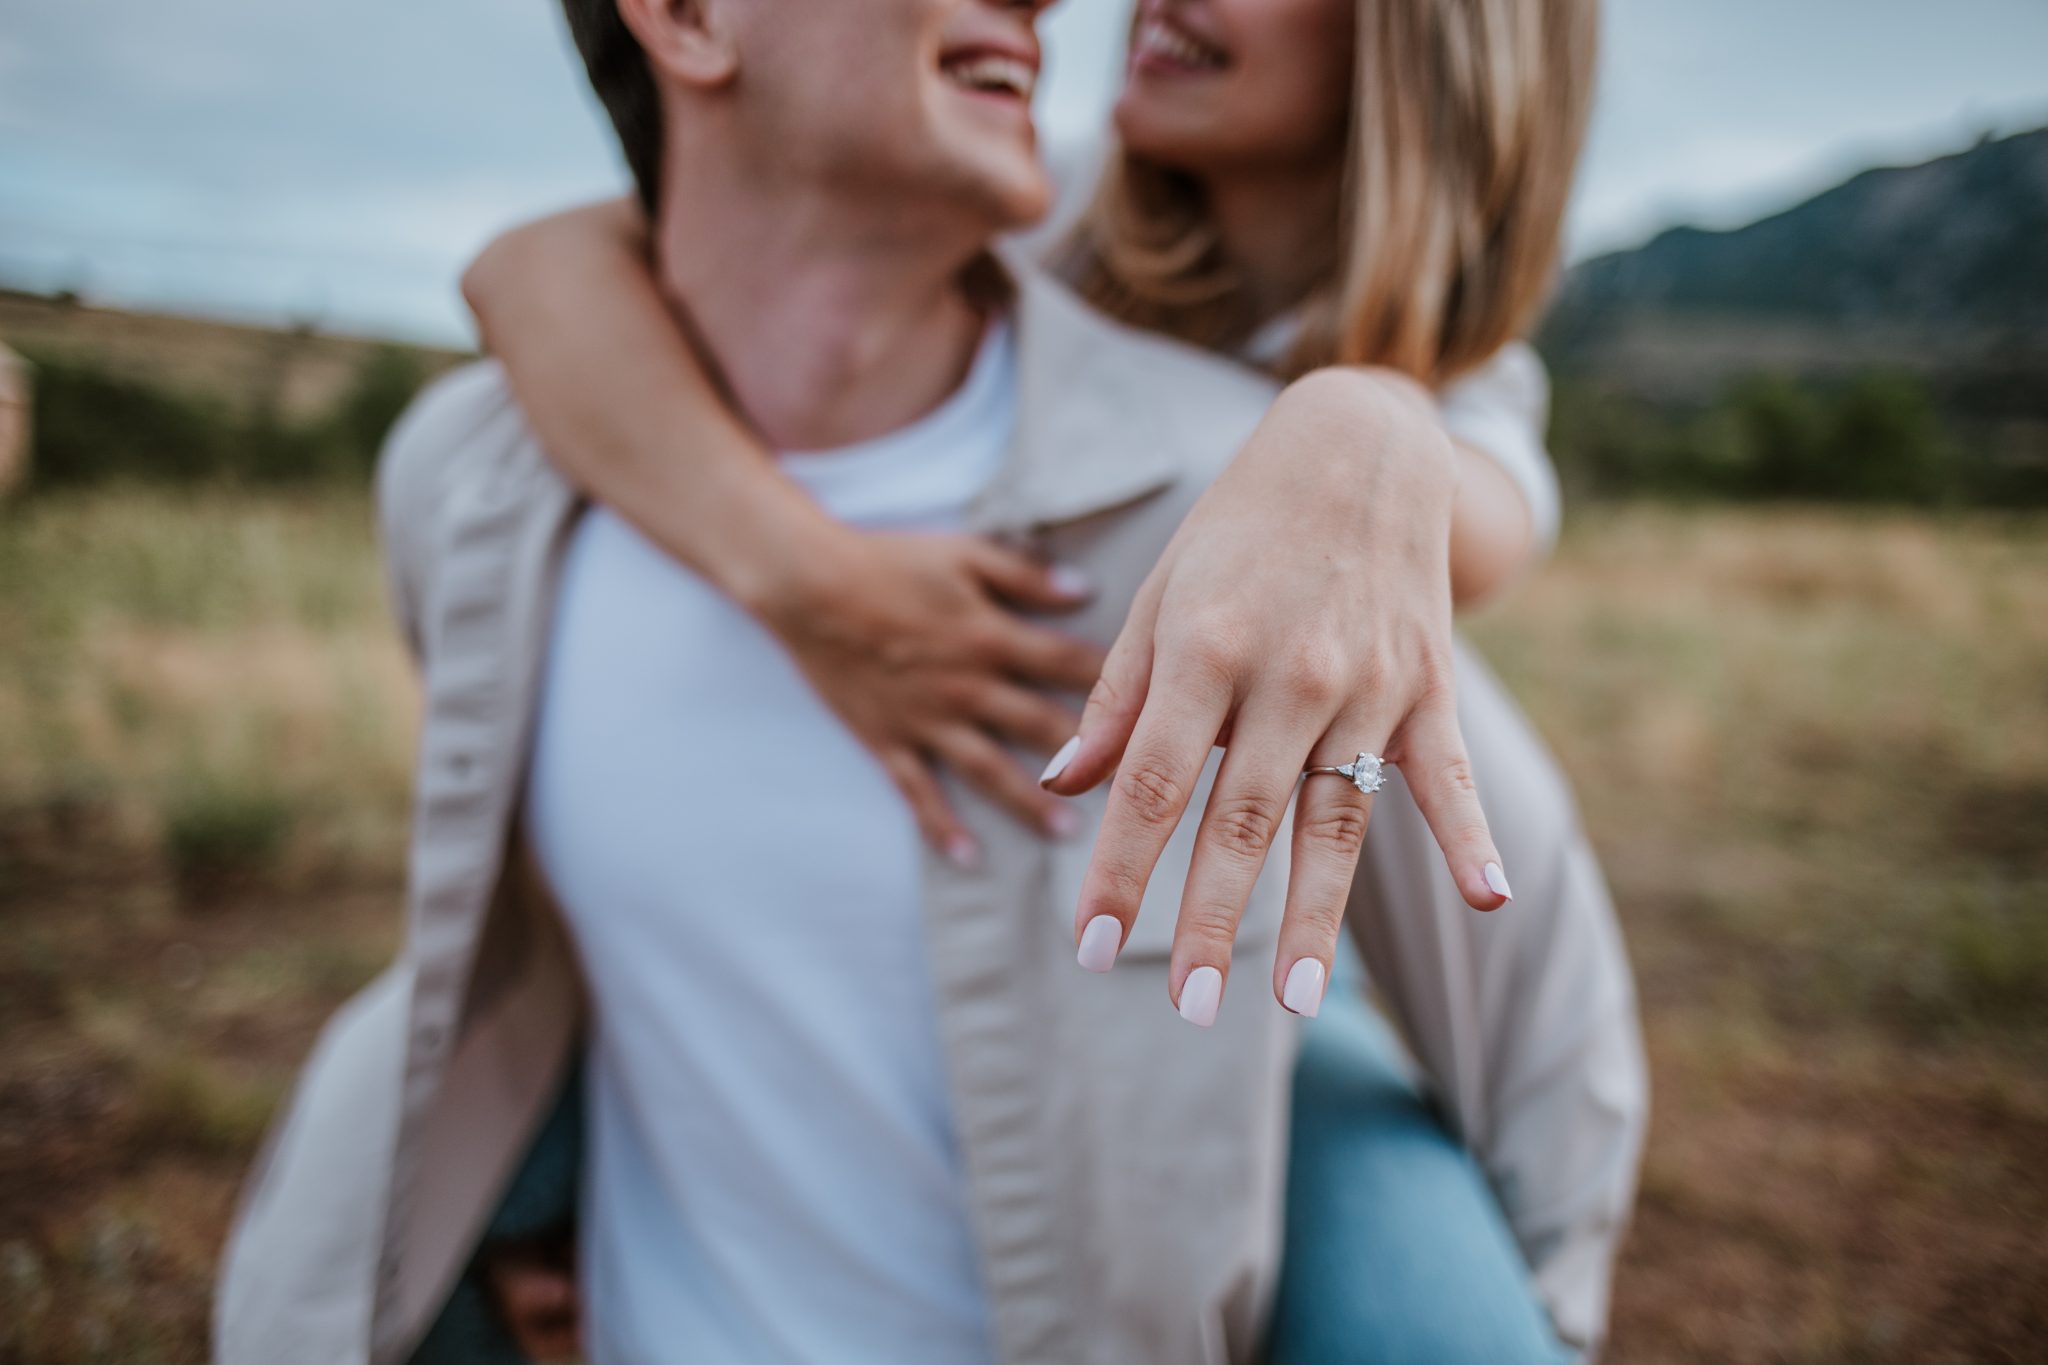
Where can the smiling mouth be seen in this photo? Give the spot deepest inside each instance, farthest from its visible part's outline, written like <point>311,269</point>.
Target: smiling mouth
<point>992,73</point>
<point>1162,42</point>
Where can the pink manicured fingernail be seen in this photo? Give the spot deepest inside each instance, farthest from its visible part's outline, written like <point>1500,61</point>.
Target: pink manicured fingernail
<point>1063,822</point>
<point>1200,994</point>
<point>1497,880</point>
<point>1303,992</point>
<point>1099,942</point>
<point>1069,581</point>
<point>1060,760</point>
<point>963,853</point>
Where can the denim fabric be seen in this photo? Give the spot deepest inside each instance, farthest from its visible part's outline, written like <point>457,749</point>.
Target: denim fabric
<point>1396,1251</point>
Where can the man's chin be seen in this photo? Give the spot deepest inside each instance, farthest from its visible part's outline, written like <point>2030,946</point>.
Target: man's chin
<point>1027,205</point>
<point>1017,189</point>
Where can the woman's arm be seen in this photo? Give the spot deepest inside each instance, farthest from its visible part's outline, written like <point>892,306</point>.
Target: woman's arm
<point>913,640</point>
<point>574,290</point>
<point>609,383</point>
<point>1508,503</point>
<point>1492,535</point>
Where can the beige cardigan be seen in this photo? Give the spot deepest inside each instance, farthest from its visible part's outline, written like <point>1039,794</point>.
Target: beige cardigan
<point>1125,1170</point>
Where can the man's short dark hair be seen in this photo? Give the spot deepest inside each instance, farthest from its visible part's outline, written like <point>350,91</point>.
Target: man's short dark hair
<point>624,83</point>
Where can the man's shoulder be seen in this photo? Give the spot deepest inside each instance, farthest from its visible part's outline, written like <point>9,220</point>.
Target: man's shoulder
<point>464,418</point>
<point>1202,404</point>
<point>1141,356</point>
<point>463,436</point>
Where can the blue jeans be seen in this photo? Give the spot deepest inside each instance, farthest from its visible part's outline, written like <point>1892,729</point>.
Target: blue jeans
<point>1396,1252</point>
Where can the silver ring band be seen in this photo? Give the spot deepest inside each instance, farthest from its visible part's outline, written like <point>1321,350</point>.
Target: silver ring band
<point>1367,772</point>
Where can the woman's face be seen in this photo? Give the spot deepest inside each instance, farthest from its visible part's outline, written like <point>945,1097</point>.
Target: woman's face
<point>1214,86</point>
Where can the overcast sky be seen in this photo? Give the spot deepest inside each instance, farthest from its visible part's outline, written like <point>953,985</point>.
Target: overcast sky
<point>337,163</point>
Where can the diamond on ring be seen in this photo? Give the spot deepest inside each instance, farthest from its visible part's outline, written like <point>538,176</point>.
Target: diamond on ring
<point>1367,773</point>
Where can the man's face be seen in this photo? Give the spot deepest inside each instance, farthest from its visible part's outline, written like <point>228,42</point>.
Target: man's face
<point>926,101</point>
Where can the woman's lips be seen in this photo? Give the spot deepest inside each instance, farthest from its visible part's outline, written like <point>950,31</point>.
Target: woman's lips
<point>1163,47</point>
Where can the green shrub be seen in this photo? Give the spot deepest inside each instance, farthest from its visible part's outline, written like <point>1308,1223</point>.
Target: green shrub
<point>1875,438</point>
<point>384,384</point>
<point>217,832</point>
<point>93,425</point>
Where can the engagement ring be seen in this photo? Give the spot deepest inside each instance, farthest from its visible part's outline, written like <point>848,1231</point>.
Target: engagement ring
<point>1367,773</point>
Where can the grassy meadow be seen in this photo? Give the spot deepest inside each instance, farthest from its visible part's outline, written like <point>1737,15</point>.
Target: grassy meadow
<point>1812,746</point>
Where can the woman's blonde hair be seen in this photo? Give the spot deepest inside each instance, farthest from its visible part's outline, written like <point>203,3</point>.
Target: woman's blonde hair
<point>1466,122</point>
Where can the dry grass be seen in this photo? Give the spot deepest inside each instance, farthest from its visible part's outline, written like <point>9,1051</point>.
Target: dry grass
<point>1814,751</point>
<point>1813,748</point>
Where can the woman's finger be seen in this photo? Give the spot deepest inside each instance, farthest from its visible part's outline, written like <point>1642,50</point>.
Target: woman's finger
<point>1439,775</point>
<point>941,828</point>
<point>1022,717</point>
<point>1114,702</point>
<point>1153,785</point>
<point>1330,818</point>
<point>1246,808</point>
<point>1038,655</point>
<point>987,767</point>
<point>1026,581</point>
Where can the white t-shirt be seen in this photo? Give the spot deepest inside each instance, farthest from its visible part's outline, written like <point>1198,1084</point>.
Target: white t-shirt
<point>773,1175</point>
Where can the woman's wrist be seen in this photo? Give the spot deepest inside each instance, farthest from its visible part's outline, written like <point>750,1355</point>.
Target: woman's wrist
<point>771,549</point>
<point>1394,463</point>
<point>1376,434</point>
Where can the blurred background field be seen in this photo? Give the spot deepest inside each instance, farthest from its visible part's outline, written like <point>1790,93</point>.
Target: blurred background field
<point>1793,651</point>
<point>1812,745</point>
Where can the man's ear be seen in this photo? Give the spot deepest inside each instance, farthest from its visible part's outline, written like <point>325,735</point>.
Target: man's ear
<point>692,41</point>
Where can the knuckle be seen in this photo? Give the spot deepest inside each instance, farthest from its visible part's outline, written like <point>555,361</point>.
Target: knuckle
<point>1210,929</point>
<point>1152,793</point>
<point>985,646</point>
<point>1208,653</point>
<point>1105,695</point>
<point>959,693</point>
<point>897,655</point>
<point>1317,676</point>
<point>1454,774</point>
<point>1338,828</point>
<point>1242,826</point>
<point>1321,921</point>
<point>1114,887</point>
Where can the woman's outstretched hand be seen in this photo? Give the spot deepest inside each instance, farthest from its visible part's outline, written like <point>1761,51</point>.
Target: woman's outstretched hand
<point>1301,615</point>
<point>915,642</point>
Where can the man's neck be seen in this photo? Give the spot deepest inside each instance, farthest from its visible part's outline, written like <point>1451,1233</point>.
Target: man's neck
<point>828,325</point>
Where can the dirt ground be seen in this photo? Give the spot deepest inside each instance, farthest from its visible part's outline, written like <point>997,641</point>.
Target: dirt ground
<point>1812,748</point>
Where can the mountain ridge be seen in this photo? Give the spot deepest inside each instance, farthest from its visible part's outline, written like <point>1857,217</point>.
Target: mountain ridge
<point>1950,255</point>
